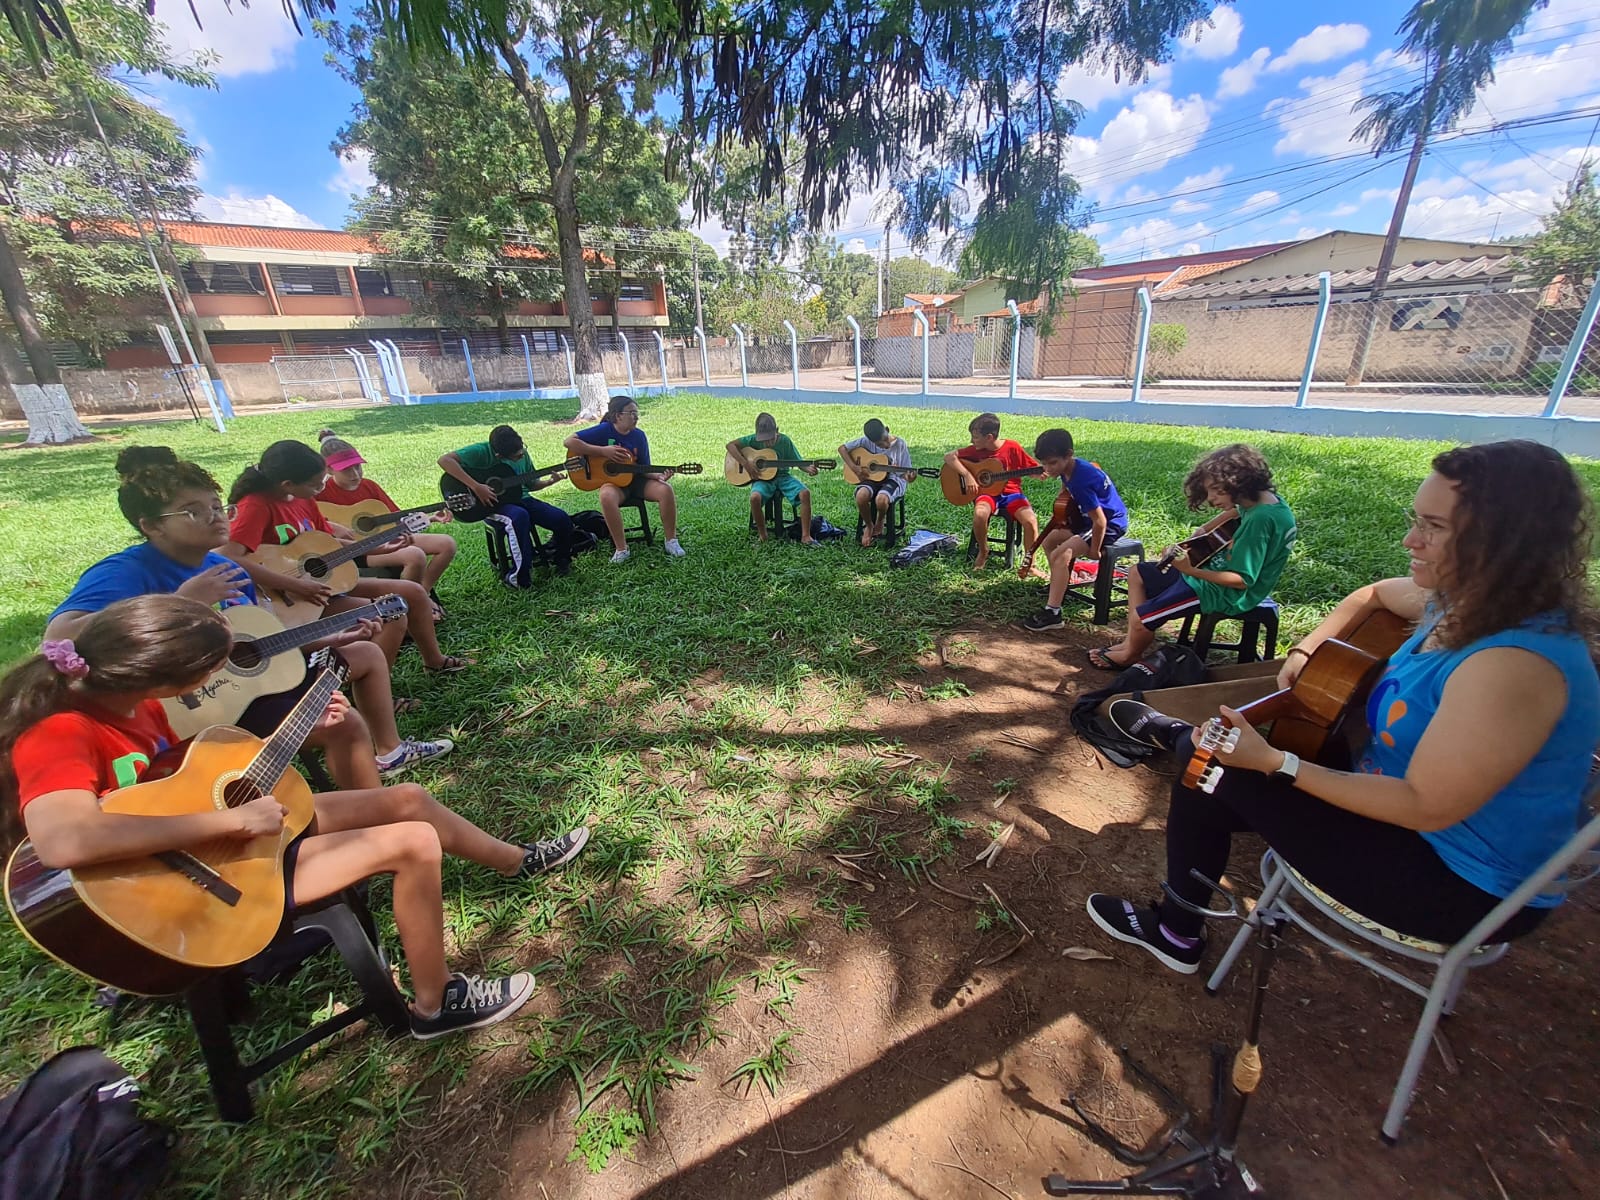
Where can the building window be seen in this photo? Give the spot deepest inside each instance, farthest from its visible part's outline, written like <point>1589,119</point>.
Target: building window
<point>309,281</point>
<point>634,289</point>
<point>372,282</point>
<point>204,278</point>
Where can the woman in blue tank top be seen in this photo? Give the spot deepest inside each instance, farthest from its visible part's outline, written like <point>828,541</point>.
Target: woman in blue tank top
<point>1484,725</point>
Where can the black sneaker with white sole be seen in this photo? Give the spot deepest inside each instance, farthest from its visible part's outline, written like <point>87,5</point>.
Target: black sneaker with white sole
<point>1139,722</point>
<point>1044,619</point>
<point>554,853</point>
<point>472,1002</point>
<point>1141,926</point>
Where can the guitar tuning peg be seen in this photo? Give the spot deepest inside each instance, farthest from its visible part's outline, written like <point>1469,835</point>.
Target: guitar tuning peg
<point>1209,778</point>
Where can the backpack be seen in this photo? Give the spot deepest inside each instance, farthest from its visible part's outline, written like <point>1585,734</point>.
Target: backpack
<point>822,530</point>
<point>922,546</point>
<point>72,1131</point>
<point>1166,666</point>
<point>588,530</point>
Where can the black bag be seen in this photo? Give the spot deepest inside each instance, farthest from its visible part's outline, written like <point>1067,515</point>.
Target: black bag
<point>923,545</point>
<point>1166,666</point>
<point>821,529</point>
<point>589,530</point>
<point>72,1131</point>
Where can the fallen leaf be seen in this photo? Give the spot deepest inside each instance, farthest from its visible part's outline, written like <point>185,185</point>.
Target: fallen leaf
<point>1084,954</point>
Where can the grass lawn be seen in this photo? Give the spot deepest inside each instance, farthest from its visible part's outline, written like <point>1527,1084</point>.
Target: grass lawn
<point>700,715</point>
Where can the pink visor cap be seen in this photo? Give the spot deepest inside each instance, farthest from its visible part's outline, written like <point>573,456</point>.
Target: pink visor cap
<point>343,460</point>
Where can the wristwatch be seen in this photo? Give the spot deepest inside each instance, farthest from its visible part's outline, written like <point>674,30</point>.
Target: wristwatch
<point>1290,767</point>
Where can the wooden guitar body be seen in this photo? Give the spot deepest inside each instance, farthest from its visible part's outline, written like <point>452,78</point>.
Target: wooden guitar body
<point>767,465</point>
<point>591,472</point>
<point>991,475</point>
<point>305,556</point>
<point>243,678</point>
<point>365,516</point>
<point>866,466</point>
<point>140,925</point>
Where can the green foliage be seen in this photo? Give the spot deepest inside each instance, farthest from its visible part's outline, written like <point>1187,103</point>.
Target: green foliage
<point>65,205</point>
<point>766,1070</point>
<point>1166,343</point>
<point>602,1133</point>
<point>1568,242</point>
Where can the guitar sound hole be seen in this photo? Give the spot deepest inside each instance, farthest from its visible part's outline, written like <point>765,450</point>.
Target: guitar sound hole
<point>246,656</point>
<point>315,567</point>
<point>240,791</point>
<point>366,523</point>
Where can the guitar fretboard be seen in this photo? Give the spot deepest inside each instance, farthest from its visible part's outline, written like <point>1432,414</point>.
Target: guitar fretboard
<point>274,757</point>
<point>293,639</point>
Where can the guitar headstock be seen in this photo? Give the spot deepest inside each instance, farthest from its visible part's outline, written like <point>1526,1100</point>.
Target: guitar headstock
<point>826,464</point>
<point>929,473</point>
<point>390,608</point>
<point>688,469</point>
<point>573,464</point>
<point>1203,770</point>
<point>414,522</point>
<point>460,501</point>
<point>326,661</point>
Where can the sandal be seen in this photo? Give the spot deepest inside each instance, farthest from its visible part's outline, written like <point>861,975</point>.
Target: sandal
<point>406,704</point>
<point>453,664</point>
<point>1102,661</point>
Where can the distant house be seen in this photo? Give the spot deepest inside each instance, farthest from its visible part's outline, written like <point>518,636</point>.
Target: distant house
<point>937,307</point>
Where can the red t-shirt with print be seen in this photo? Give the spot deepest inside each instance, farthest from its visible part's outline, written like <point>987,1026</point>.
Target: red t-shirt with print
<point>365,490</point>
<point>274,522</point>
<point>99,753</point>
<point>1011,455</point>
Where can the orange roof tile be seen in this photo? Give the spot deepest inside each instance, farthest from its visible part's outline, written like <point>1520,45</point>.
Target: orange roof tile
<point>1028,308</point>
<point>1193,271</point>
<point>931,299</point>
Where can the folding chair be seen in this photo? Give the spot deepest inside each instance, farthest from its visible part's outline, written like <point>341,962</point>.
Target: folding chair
<point>1574,864</point>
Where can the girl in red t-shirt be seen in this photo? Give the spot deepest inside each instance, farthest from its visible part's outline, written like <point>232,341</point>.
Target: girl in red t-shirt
<point>83,718</point>
<point>425,560</point>
<point>276,503</point>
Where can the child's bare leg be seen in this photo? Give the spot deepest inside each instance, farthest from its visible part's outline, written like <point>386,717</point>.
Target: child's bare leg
<point>981,512</point>
<point>758,514</point>
<point>805,515</point>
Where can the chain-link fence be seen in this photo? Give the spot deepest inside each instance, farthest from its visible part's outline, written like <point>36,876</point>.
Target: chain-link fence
<point>321,377</point>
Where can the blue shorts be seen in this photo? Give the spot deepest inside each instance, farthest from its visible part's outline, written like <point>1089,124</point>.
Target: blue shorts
<point>789,485</point>
<point>1008,504</point>
<point>1169,595</point>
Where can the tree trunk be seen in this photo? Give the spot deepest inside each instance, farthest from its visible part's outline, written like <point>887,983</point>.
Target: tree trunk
<point>587,366</point>
<point>43,398</point>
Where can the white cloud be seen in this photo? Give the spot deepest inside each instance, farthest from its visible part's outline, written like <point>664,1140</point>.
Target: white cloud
<point>1241,77</point>
<point>1344,210</point>
<point>238,209</point>
<point>1216,38</point>
<point>1261,199</point>
<point>1143,137</point>
<point>243,40</point>
<point>1188,207</point>
<point>1448,206</point>
<point>1322,118</point>
<point>1307,232</point>
<point>1152,238</point>
<point>1093,86</point>
<point>856,246</point>
<point>1536,83</point>
<point>1323,44</point>
<point>354,174</point>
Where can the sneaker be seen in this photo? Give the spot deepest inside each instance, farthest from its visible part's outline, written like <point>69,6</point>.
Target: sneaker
<point>1045,618</point>
<point>1139,722</point>
<point>621,556</point>
<point>1142,927</point>
<point>513,580</point>
<point>555,853</point>
<point>471,1002</point>
<point>563,569</point>
<point>410,752</point>
<point>673,548</point>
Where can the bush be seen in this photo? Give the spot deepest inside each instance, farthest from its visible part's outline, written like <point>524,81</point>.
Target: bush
<point>1166,343</point>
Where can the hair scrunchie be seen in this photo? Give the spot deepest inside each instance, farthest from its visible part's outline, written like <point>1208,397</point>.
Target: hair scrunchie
<point>64,657</point>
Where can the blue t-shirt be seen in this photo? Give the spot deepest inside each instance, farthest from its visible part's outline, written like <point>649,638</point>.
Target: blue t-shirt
<point>1528,820</point>
<point>140,570</point>
<point>605,434</point>
<point>1091,488</point>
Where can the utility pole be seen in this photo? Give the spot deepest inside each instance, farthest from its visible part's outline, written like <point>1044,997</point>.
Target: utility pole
<point>699,317</point>
<point>888,273</point>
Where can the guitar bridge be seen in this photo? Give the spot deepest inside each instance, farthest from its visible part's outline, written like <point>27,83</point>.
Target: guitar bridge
<point>201,875</point>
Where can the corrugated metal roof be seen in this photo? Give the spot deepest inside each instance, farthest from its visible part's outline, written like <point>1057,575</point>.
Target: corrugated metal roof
<point>1456,270</point>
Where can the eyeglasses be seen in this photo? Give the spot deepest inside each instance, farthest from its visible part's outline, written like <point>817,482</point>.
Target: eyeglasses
<point>1427,528</point>
<point>204,516</point>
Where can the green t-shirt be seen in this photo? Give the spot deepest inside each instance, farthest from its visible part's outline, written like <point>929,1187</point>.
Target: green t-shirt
<point>481,462</point>
<point>783,447</point>
<point>1259,552</point>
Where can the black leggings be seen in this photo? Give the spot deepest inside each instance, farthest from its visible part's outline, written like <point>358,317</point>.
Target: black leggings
<point>1387,874</point>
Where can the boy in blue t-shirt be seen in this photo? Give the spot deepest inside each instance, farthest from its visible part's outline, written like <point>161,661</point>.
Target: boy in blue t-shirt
<point>1098,517</point>
<point>619,439</point>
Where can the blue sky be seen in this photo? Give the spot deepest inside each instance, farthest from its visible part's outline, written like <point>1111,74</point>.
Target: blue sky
<point>1244,137</point>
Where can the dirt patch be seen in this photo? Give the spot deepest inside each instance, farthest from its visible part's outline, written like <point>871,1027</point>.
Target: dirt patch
<point>933,1051</point>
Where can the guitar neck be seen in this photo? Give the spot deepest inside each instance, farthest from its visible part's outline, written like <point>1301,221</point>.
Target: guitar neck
<point>1019,473</point>
<point>533,476</point>
<point>279,751</point>
<point>391,518</point>
<point>356,549</point>
<point>304,635</point>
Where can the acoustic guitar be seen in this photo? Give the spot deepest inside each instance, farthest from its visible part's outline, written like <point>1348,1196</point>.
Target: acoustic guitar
<point>594,471</point>
<point>867,466</point>
<point>1203,547</point>
<point>153,925</point>
<point>468,507</point>
<point>991,476</point>
<point>1305,717</point>
<point>322,557</point>
<point>369,516</point>
<point>767,464</point>
<point>264,661</point>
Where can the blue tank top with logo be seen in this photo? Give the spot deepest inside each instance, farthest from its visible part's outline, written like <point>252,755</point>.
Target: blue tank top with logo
<point>1528,820</point>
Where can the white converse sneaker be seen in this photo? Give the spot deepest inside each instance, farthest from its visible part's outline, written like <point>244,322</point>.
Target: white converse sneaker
<point>673,548</point>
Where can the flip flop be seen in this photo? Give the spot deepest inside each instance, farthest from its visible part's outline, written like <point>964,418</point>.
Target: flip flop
<point>1102,661</point>
<point>406,704</point>
<point>453,664</point>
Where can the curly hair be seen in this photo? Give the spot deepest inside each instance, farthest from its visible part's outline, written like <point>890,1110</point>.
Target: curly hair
<point>132,646</point>
<point>1237,469</point>
<point>1511,562</point>
<point>149,491</point>
<point>136,458</point>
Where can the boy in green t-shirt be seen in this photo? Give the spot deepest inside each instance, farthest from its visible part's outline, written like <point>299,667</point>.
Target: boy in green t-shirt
<point>514,511</point>
<point>1237,480</point>
<point>767,437</point>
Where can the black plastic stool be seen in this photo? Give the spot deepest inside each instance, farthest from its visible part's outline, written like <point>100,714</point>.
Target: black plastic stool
<point>497,539</point>
<point>1009,541</point>
<point>894,521</point>
<point>1104,590</point>
<point>777,525</point>
<point>642,531</point>
<point>215,1002</point>
<point>1260,624</point>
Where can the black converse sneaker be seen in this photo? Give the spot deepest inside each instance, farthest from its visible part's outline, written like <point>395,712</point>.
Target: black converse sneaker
<point>1142,927</point>
<point>557,852</point>
<point>1045,618</point>
<point>1139,722</point>
<point>471,1002</point>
